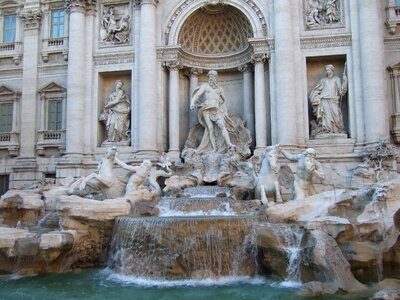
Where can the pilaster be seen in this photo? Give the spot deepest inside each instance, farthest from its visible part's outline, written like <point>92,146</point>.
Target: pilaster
<point>372,71</point>
<point>285,73</point>
<point>148,104</point>
<point>25,170</point>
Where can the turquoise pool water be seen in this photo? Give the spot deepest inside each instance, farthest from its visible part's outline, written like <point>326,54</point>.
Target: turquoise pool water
<point>103,284</point>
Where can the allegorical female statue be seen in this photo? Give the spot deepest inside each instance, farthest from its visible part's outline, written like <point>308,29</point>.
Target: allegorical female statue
<point>326,99</point>
<point>116,115</point>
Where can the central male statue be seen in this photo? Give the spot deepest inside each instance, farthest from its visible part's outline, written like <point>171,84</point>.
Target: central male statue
<point>210,100</point>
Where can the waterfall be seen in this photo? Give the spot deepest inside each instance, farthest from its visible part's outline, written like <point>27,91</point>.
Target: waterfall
<point>183,247</point>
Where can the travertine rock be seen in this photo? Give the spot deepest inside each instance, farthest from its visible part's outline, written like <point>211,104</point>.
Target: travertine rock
<point>307,209</point>
<point>322,260</point>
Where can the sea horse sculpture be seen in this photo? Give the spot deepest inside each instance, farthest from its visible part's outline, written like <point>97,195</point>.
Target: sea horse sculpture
<point>267,180</point>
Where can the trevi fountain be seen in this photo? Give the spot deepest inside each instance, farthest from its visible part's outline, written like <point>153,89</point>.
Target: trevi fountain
<point>228,188</point>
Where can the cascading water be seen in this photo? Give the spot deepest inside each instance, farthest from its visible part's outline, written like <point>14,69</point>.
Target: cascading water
<point>293,242</point>
<point>184,248</point>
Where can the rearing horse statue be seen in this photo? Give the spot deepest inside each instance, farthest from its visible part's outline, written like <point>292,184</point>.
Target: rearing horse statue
<point>267,179</point>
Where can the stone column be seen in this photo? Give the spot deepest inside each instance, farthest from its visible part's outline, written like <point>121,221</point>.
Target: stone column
<point>372,71</point>
<point>76,79</point>
<point>148,111</point>
<point>395,78</point>
<point>285,95</point>
<point>90,131</point>
<point>193,75</point>
<point>136,81</point>
<point>248,95</point>
<point>173,110</point>
<point>25,169</point>
<point>260,102</point>
<point>31,21</point>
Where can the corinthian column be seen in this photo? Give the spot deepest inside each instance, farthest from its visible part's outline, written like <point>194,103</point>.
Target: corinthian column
<point>260,101</point>
<point>76,79</point>
<point>147,131</point>
<point>173,113</point>
<point>248,95</point>
<point>285,79</point>
<point>372,73</point>
<point>193,75</point>
<point>31,21</point>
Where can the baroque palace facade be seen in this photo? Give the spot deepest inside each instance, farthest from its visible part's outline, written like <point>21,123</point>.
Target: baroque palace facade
<point>64,65</point>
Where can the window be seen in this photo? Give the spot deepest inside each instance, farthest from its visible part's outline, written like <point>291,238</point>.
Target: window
<point>4,183</point>
<point>57,23</point>
<point>9,28</point>
<point>54,120</point>
<point>397,2</point>
<point>6,110</point>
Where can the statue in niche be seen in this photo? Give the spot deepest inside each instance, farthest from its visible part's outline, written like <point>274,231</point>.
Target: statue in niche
<point>209,98</point>
<point>114,28</point>
<point>307,168</point>
<point>326,98</point>
<point>116,115</point>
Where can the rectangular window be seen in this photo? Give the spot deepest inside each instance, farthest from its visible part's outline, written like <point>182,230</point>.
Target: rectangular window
<point>9,30</point>
<point>54,115</point>
<point>6,112</point>
<point>397,2</point>
<point>4,183</point>
<point>57,23</point>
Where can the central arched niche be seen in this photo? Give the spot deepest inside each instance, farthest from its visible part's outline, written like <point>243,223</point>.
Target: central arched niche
<point>215,30</point>
<point>215,37</point>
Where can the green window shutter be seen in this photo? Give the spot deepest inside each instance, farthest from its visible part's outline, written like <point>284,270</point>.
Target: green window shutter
<point>6,112</point>
<point>54,115</point>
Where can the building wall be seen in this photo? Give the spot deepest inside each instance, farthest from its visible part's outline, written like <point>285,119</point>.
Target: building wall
<point>289,48</point>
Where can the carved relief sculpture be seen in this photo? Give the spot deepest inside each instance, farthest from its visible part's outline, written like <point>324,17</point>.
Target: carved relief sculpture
<point>116,116</point>
<point>326,98</point>
<point>322,13</point>
<point>115,25</point>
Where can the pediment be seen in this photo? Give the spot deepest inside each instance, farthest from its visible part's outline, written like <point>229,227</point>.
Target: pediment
<point>52,87</point>
<point>8,92</point>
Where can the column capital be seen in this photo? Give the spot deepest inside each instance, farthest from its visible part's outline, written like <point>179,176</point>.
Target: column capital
<point>31,18</point>
<point>259,57</point>
<point>246,68</point>
<point>151,2</point>
<point>193,72</point>
<point>80,5</point>
<point>173,64</point>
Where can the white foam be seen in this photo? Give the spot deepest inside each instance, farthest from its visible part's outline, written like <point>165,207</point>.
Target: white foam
<point>147,282</point>
<point>290,284</point>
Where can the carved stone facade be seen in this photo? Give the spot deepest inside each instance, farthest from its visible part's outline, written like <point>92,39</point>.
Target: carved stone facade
<point>269,55</point>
